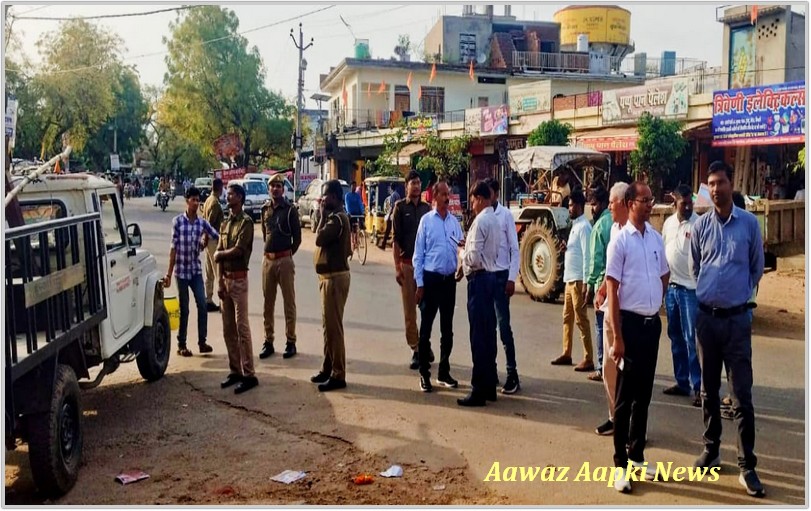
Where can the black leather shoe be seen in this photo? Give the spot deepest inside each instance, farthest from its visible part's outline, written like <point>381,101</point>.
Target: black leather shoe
<point>289,350</point>
<point>491,395</point>
<point>415,361</point>
<point>267,350</point>
<point>319,378</point>
<point>332,384</point>
<point>472,399</point>
<point>232,379</point>
<point>246,384</point>
<point>212,307</point>
<point>205,348</point>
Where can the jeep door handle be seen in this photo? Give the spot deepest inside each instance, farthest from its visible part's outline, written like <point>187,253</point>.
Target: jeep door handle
<point>112,263</point>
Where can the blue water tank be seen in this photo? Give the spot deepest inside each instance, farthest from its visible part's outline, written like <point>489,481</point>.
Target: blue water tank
<point>667,65</point>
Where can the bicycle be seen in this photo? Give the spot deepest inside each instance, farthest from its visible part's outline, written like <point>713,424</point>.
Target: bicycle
<point>360,245</point>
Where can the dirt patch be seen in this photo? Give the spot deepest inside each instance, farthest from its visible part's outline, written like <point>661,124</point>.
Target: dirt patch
<point>781,305</point>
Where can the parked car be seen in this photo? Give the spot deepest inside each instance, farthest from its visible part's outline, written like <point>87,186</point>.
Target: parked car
<point>288,186</point>
<point>309,203</point>
<point>204,185</point>
<point>256,193</point>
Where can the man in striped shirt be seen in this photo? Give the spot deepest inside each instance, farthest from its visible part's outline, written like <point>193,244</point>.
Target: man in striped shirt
<point>188,241</point>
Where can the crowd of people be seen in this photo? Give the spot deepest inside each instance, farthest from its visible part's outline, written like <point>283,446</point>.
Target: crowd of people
<point>704,269</point>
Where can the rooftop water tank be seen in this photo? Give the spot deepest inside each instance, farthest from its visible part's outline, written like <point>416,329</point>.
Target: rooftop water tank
<point>362,49</point>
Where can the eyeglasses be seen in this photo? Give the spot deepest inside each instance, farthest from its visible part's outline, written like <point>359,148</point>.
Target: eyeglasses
<point>275,185</point>
<point>646,200</point>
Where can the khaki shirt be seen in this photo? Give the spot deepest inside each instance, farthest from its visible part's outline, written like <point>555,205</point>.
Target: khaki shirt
<point>281,229</point>
<point>333,244</point>
<point>212,211</point>
<point>237,231</point>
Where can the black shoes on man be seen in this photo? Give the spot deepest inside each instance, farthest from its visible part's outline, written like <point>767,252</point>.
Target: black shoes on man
<point>327,383</point>
<point>212,307</point>
<point>268,350</point>
<point>748,478</point>
<point>477,398</point>
<point>243,384</point>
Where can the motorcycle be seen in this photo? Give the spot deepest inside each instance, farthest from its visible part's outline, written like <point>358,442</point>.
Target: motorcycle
<point>163,200</point>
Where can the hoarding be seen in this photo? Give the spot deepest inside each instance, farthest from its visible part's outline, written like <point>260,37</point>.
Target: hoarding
<point>667,98</point>
<point>530,98</point>
<point>229,174</point>
<point>769,114</point>
<point>742,57</point>
<point>495,120</point>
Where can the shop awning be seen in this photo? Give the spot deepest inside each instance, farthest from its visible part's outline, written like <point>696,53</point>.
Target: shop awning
<point>404,157</point>
<point>608,139</point>
<point>690,127</point>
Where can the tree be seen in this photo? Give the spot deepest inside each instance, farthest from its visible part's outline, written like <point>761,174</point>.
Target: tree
<point>215,85</point>
<point>388,162</point>
<point>403,48</point>
<point>550,133</point>
<point>76,88</point>
<point>800,163</point>
<point>658,147</point>
<point>445,157</point>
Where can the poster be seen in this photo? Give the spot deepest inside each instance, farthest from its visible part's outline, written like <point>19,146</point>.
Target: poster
<point>667,98</point>
<point>742,57</point>
<point>495,120</point>
<point>769,114</point>
<point>11,120</point>
<point>229,174</point>
<point>530,98</point>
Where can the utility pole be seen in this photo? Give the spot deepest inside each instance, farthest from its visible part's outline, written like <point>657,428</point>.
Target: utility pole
<point>302,65</point>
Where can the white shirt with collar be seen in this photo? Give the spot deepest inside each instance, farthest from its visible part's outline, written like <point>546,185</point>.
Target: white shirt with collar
<point>482,245</point>
<point>508,258</point>
<point>615,230</point>
<point>576,258</point>
<point>676,235</point>
<point>637,261</point>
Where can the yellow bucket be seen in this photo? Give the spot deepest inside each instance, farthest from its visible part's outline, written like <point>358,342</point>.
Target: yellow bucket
<point>172,305</point>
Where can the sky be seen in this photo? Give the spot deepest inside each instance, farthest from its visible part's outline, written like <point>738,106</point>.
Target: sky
<point>691,30</point>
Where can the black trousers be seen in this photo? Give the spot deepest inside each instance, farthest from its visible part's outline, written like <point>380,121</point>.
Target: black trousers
<point>386,234</point>
<point>481,312</point>
<point>727,341</point>
<point>439,295</point>
<point>635,385</point>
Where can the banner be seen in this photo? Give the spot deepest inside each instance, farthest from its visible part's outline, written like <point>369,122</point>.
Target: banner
<point>229,174</point>
<point>742,57</point>
<point>609,144</point>
<point>667,98</point>
<point>11,121</point>
<point>228,146</point>
<point>530,98</point>
<point>771,114</point>
<point>495,120</point>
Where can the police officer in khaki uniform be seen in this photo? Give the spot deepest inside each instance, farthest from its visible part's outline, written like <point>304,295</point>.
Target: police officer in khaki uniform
<point>281,231</point>
<point>233,255</point>
<point>333,247</point>
<point>212,213</point>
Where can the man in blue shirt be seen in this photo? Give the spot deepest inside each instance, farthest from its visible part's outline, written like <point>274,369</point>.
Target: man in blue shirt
<point>435,263</point>
<point>354,208</point>
<point>727,252</point>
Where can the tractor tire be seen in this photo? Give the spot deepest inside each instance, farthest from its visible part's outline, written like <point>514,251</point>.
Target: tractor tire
<point>55,437</point>
<point>156,345</point>
<point>541,262</point>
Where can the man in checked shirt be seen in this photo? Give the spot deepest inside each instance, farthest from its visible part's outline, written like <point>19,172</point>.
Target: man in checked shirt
<point>188,241</point>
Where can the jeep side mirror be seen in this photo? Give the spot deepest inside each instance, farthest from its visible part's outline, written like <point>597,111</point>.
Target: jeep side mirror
<point>134,235</point>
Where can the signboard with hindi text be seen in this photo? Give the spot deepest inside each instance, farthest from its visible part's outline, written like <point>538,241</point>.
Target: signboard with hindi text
<point>667,98</point>
<point>530,98</point>
<point>769,114</point>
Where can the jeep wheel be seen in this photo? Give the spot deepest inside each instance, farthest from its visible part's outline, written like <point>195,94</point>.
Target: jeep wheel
<point>541,263</point>
<point>55,437</point>
<point>156,345</point>
<point>313,221</point>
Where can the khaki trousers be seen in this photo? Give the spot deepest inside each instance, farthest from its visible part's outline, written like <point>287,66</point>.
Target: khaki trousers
<point>409,291</point>
<point>236,328</point>
<point>211,270</point>
<point>334,289</point>
<point>574,311</point>
<point>609,367</point>
<point>279,273</point>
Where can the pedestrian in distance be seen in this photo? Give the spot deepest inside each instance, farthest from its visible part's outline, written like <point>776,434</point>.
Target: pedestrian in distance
<point>189,238</point>
<point>435,264</point>
<point>507,263</point>
<point>479,265</point>
<point>405,219</point>
<point>388,208</point>
<point>281,233</point>
<point>575,274</point>
<point>333,247</point>
<point>233,256</point>
<point>212,212</point>
<point>353,205</point>
<point>598,245</point>
<point>728,260</point>
<point>637,276</point>
<point>680,300</point>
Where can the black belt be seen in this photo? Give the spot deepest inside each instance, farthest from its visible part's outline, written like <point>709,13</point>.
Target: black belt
<point>646,320</point>
<point>676,286</point>
<point>718,312</point>
<point>451,276</point>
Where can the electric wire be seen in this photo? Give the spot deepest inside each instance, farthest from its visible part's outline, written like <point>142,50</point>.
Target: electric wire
<point>102,16</point>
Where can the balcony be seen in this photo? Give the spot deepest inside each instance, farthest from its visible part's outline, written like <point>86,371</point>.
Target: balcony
<point>370,119</point>
<point>561,62</point>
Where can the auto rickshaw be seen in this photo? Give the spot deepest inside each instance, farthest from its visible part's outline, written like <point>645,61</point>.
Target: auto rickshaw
<point>377,191</point>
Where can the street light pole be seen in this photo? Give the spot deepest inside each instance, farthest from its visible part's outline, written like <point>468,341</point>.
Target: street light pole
<point>299,101</point>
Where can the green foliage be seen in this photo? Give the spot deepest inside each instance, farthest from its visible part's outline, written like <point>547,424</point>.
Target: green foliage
<point>658,147</point>
<point>550,133</point>
<point>386,163</point>
<point>799,165</point>
<point>218,88</point>
<point>444,157</point>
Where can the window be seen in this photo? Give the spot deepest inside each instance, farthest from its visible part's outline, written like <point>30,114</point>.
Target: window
<point>111,226</point>
<point>483,101</point>
<point>467,48</point>
<point>42,211</point>
<point>253,187</point>
<point>432,100</point>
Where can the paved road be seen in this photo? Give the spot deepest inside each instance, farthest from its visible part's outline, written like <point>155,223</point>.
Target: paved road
<point>383,418</point>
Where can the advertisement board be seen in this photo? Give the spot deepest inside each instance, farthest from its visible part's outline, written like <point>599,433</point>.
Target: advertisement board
<point>769,114</point>
<point>667,98</point>
<point>495,120</point>
<point>227,146</point>
<point>11,120</point>
<point>742,57</point>
<point>229,174</point>
<point>530,98</point>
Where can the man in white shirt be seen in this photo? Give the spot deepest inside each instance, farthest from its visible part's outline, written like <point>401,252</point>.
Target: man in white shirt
<point>637,275</point>
<point>479,266</point>
<point>575,274</point>
<point>507,263</point>
<point>680,301</point>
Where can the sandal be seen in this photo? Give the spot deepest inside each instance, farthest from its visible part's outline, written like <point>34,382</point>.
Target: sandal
<point>184,352</point>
